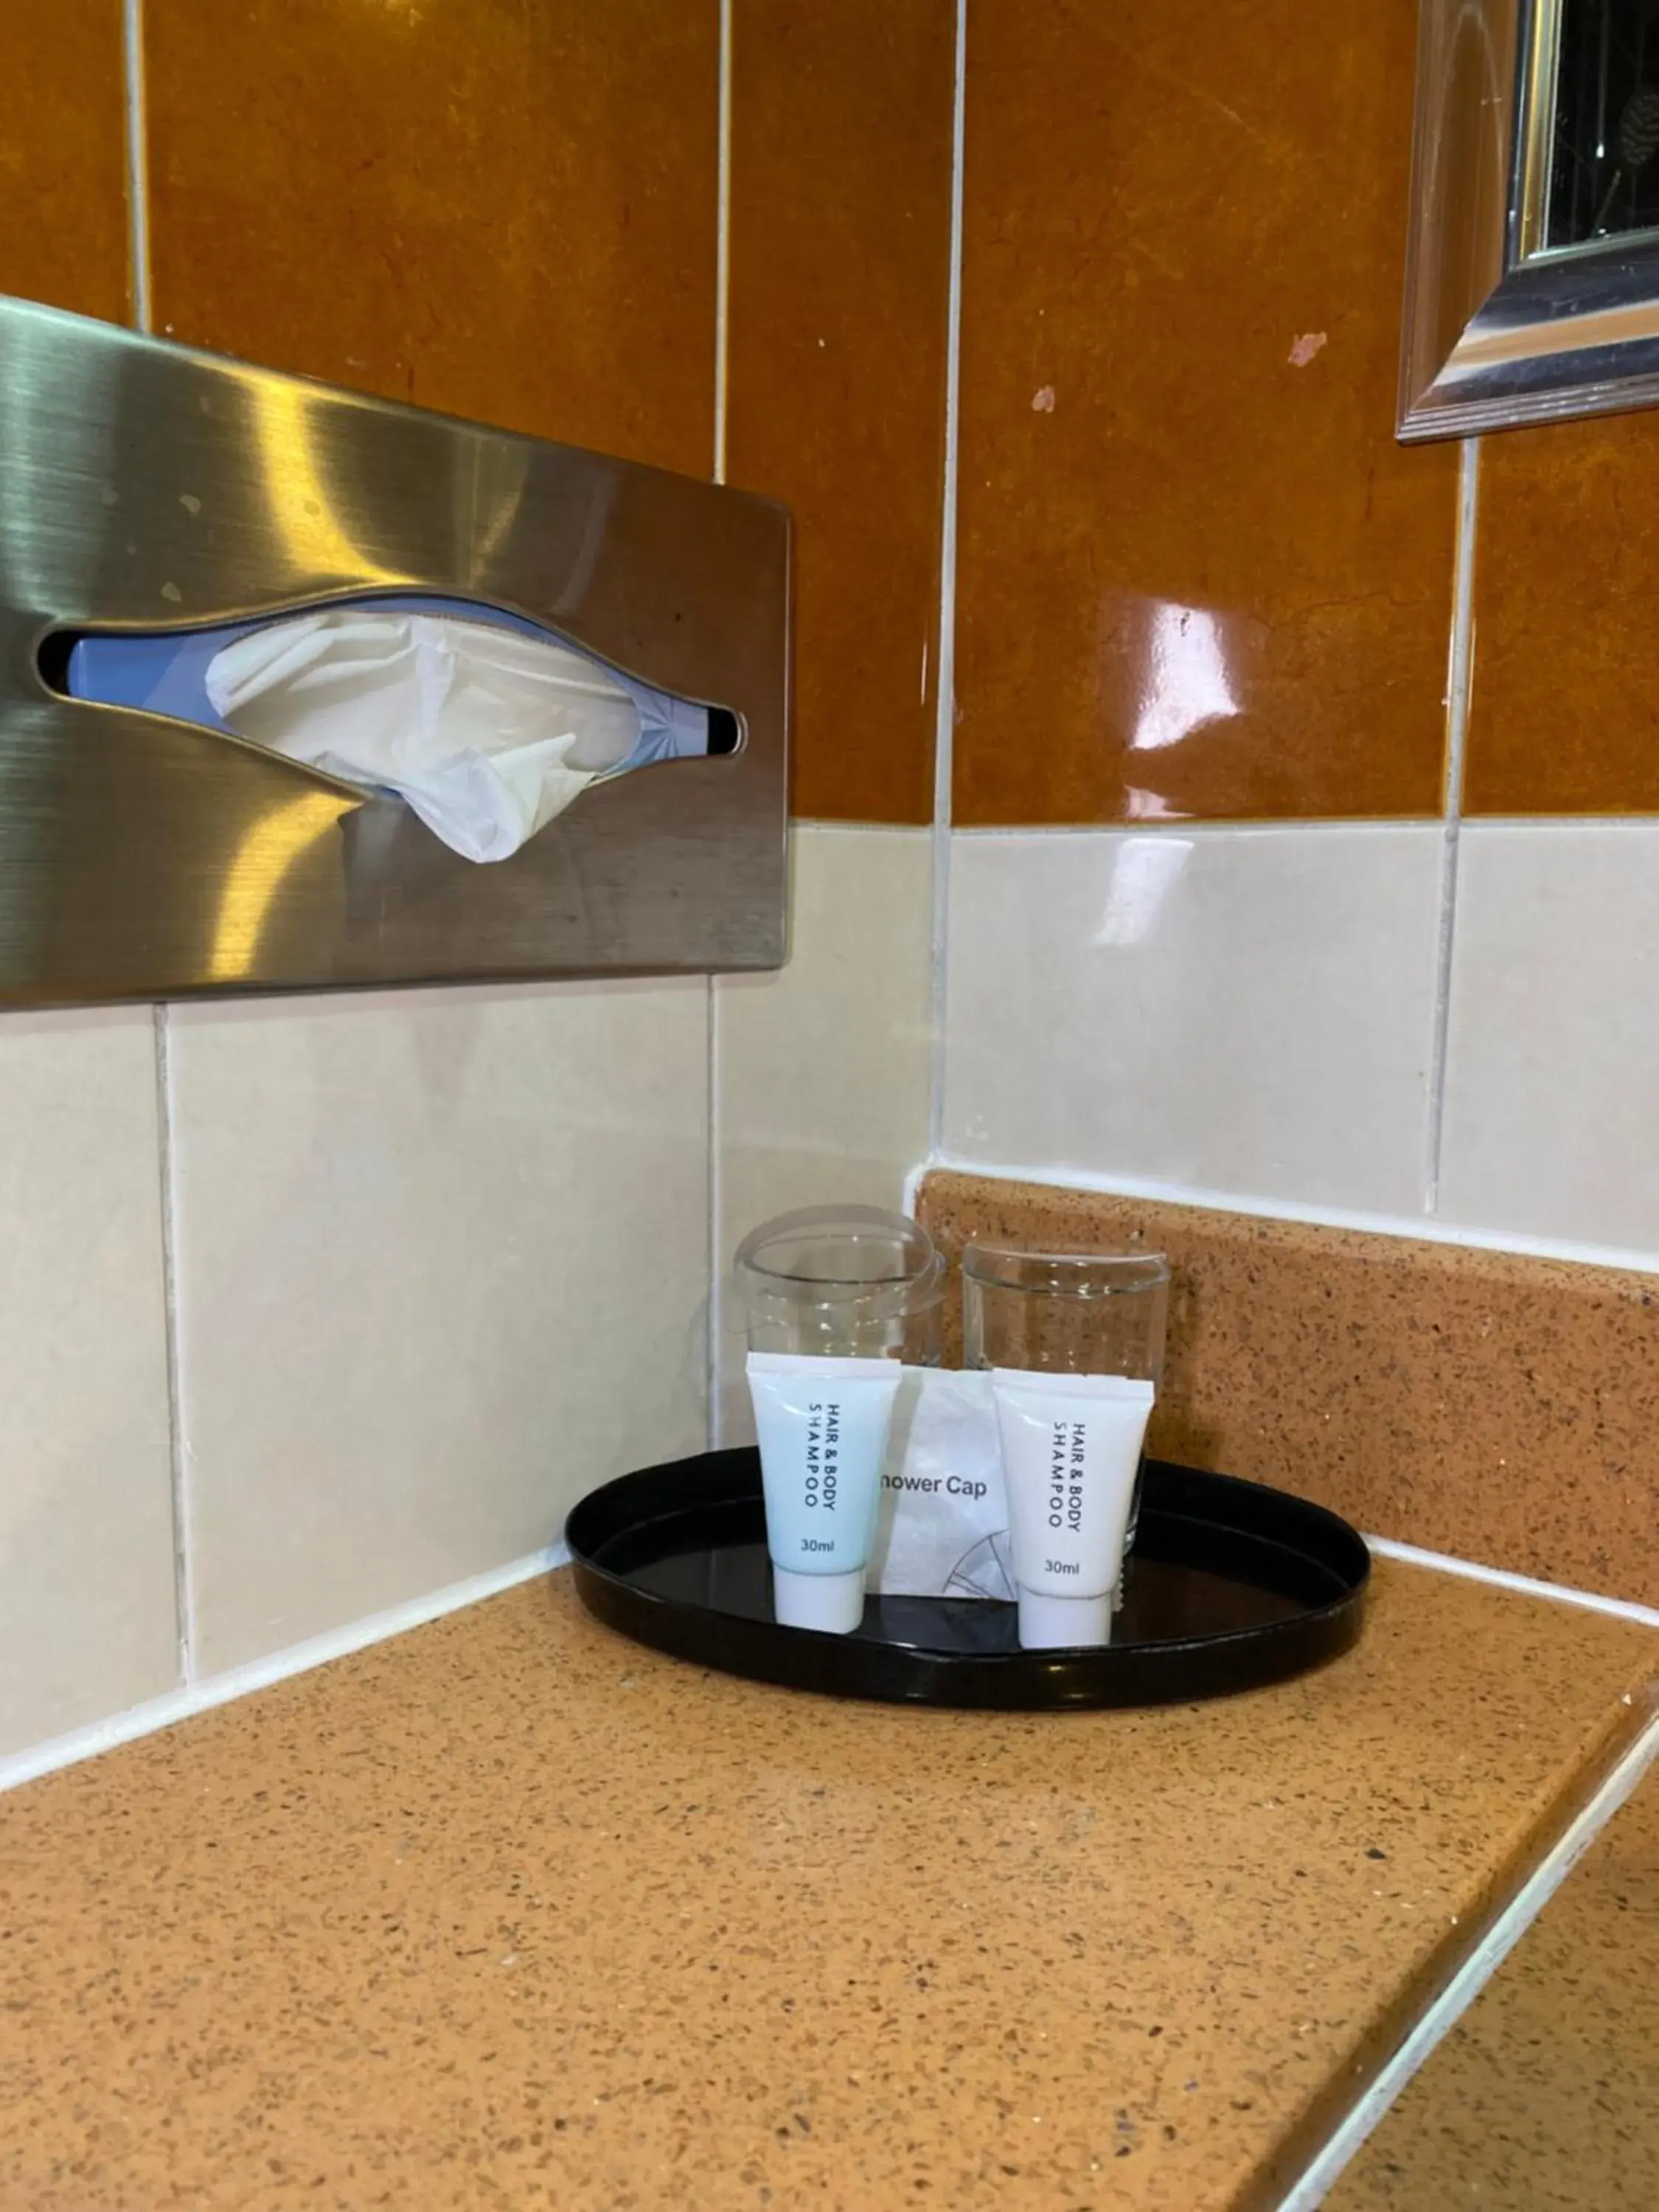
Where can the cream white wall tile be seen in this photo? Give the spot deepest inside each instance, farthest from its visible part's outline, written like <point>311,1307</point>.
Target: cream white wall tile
<point>1552,1047</point>
<point>1247,1010</point>
<point>443,1267</point>
<point>88,1618</point>
<point>825,1069</point>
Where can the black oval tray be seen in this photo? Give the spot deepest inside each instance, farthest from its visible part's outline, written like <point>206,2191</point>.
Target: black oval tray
<point>1231,1585</point>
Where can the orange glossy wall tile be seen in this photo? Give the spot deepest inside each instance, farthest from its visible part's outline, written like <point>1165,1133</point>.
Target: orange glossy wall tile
<point>63,155</point>
<point>840,240</point>
<point>1564,712</point>
<point>1197,575</point>
<point>506,211</point>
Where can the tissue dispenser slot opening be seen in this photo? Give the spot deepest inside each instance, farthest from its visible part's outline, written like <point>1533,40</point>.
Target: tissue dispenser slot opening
<point>153,491</point>
<point>486,723</point>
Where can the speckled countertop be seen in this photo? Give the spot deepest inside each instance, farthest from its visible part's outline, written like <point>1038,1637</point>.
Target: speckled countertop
<point>509,1912</point>
<point>1545,2095</point>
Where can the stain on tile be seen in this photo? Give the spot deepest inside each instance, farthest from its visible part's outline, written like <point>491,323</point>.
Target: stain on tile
<point>501,211</point>
<point>63,155</point>
<point>1197,576</point>
<point>840,241</point>
<point>1500,1408</point>
<point>1564,711</point>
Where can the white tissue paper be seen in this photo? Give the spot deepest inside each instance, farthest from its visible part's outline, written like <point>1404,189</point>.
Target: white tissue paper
<point>486,734</point>
<point>942,1530</point>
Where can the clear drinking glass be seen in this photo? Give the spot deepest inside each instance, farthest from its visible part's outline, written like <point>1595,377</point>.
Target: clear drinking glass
<point>1067,1312</point>
<point>843,1282</point>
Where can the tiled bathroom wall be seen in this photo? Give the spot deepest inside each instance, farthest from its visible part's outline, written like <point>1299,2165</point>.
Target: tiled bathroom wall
<point>313,1307</point>
<point>1196,576</point>
<point>1297,845</point>
<point>509,213</point>
<point>1271,873</point>
<point>1302,855</point>
<point>840,275</point>
<point>64,215</point>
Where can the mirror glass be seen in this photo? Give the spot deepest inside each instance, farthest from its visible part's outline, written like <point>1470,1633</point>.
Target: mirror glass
<point>1531,283</point>
<point>1603,179</point>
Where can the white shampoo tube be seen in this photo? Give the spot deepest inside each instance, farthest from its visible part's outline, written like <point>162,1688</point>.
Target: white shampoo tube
<point>1071,1448</point>
<point>823,1427</point>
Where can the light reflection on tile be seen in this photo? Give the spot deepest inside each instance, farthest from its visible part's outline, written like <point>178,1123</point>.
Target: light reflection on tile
<point>1185,683</point>
<point>1197,576</point>
<point>1145,871</point>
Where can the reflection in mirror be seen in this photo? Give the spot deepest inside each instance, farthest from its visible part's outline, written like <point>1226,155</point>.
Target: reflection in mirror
<point>1604,144</point>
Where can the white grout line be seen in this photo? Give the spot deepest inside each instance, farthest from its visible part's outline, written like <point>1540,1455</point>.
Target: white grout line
<point>183,1592</point>
<point>1459,678</point>
<point>1351,825</point>
<point>944,723</point>
<point>1471,1976</point>
<point>1418,1229</point>
<point>1638,824</point>
<point>723,240</point>
<point>1181,826</point>
<point>259,1673</point>
<point>820,828</point>
<point>713,1428</point>
<point>132,31</point>
<point>1448,1563</point>
<point>184,1572</point>
<point>912,1183</point>
<point>714,1425</point>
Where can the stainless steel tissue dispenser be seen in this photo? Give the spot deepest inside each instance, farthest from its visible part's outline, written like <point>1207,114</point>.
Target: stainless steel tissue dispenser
<point>145,487</point>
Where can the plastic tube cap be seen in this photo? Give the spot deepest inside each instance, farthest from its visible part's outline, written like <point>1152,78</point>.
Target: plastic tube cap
<point>1052,1623</point>
<point>833,1603</point>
